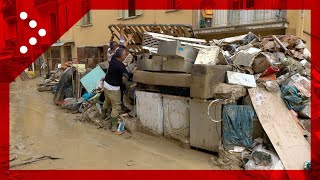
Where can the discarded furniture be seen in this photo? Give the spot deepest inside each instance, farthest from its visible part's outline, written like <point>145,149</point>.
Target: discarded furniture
<point>204,133</point>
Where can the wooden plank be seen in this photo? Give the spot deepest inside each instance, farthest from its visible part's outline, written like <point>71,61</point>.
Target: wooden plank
<point>74,85</point>
<point>181,34</point>
<point>292,148</point>
<point>296,120</point>
<point>78,86</point>
<point>169,30</point>
<point>187,33</point>
<point>138,36</point>
<point>176,32</point>
<point>141,30</point>
<point>162,79</point>
<point>164,30</point>
<point>117,31</point>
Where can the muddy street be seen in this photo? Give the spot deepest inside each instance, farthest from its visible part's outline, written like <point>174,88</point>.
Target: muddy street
<point>39,129</point>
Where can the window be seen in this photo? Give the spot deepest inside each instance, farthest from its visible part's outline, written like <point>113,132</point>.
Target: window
<point>132,8</point>
<point>131,12</point>
<point>86,20</point>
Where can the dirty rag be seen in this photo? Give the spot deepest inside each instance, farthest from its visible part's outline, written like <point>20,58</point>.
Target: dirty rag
<point>291,96</point>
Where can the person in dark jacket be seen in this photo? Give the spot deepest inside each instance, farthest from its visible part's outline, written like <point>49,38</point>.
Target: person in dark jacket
<point>112,83</point>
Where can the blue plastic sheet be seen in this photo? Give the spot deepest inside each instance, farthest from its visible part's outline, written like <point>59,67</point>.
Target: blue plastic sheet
<point>91,80</point>
<point>237,125</point>
<point>87,96</point>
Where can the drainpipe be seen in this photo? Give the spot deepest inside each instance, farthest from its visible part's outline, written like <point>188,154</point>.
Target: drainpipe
<point>300,24</point>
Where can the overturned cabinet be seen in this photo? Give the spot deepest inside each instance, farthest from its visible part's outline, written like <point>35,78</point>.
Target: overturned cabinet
<point>150,112</point>
<point>204,133</point>
<point>176,117</point>
<point>164,115</point>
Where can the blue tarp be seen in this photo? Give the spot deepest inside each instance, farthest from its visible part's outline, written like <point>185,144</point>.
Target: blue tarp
<point>237,125</point>
<point>87,96</point>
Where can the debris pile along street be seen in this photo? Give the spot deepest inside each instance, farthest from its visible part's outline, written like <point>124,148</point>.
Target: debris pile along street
<point>247,96</point>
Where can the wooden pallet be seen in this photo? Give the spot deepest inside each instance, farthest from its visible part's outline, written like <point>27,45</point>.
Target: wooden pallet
<point>135,45</point>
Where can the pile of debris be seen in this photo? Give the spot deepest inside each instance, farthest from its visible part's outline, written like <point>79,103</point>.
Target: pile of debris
<point>269,67</point>
<point>250,94</point>
<point>50,81</point>
<point>80,90</point>
<point>274,61</point>
<point>262,82</point>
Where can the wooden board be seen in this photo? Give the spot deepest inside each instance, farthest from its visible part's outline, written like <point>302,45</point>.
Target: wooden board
<point>292,148</point>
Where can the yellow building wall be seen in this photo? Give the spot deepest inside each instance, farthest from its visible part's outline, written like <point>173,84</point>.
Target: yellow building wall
<point>307,28</point>
<point>98,34</point>
<point>300,24</point>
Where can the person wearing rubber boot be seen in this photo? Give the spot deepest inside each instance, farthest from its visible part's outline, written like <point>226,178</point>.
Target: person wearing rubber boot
<point>112,84</point>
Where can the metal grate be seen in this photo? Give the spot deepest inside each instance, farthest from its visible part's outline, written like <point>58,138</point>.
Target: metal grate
<point>237,17</point>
